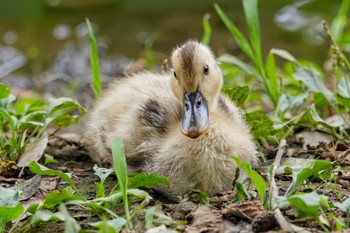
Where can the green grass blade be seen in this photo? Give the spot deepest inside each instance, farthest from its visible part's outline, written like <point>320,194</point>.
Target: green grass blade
<point>271,84</point>
<point>229,59</point>
<point>149,54</point>
<point>339,22</point>
<point>237,35</point>
<point>257,180</point>
<point>251,13</point>
<point>284,54</point>
<point>95,69</point>
<point>206,29</point>
<point>119,161</point>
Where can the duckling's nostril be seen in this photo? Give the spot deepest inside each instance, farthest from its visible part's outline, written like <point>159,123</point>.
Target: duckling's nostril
<point>187,106</point>
<point>199,103</point>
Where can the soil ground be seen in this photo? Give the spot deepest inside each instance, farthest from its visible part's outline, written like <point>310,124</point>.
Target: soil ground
<point>220,215</point>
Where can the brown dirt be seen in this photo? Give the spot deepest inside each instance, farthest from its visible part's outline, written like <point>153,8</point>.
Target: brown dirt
<point>221,215</point>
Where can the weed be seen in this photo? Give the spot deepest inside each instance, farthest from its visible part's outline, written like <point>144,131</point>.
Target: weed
<point>95,65</point>
<point>252,48</point>
<point>56,204</point>
<point>206,29</point>
<point>24,121</point>
<point>295,85</point>
<point>122,175</point>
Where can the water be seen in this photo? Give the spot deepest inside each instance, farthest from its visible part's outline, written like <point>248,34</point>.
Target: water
<point>41,32</point>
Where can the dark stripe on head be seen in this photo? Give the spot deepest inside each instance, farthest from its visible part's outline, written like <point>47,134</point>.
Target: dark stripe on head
<point>187,57</point>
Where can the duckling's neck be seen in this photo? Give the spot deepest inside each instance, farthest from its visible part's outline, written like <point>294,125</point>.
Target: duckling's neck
<point>213,104</point>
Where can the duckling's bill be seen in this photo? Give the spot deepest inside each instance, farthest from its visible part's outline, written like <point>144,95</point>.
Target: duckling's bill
<point>195,114</point>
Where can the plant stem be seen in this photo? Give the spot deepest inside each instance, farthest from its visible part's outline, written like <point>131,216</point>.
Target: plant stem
<point>139,208</point>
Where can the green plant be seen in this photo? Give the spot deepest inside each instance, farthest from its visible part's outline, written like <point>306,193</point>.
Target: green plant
<point>206,29</point>
<point>258,182</point>
<point>267,74</point>
<point>10,208</point>
<point>122,175</point>
<point>310,205</point>
<point>94,61</point>
<point>298,88</point>
<point>55,206</point>
<point>304,205</point>
<point>24,121</point>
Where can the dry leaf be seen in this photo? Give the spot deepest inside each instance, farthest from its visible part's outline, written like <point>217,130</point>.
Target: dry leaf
<point>247,210</point>
<point>205,219</point>
<point>67,146</point>
<point>222,197</point>
<point>30,187</point>
<point>33,152</point>
<point>345,157</point>
<point>312,138</point>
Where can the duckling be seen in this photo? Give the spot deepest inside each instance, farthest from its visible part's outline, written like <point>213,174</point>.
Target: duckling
<point>178,125</point>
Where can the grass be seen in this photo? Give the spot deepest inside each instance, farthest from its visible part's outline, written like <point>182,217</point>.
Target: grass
<point>293,94</point>
<point>57,203</point>
<point>122,175</point>
<point>300,86</point>
<point>24,122</point>
<point>94,61</point>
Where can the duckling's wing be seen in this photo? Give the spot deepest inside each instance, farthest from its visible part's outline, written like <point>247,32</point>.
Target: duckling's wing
<point>140,110</point>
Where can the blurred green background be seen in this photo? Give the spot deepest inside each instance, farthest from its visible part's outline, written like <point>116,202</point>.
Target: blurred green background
<point>40,28</point>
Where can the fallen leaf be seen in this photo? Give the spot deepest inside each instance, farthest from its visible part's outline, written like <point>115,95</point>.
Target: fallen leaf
<point>344,179</point>
<point>344,183</point>
<point>222,197</point>
<point>205,219</point>
<point>33,152</point>
<point>247,210</point>
<point>345,157</point>
<point>67,146</point>
<point>48,184</point>
<point>180,211</point>
<point>30,187</point>
<point>312,138</point>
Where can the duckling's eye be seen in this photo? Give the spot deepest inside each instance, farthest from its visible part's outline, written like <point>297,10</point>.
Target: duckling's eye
<point>175,75</point>
<point>206,69</point>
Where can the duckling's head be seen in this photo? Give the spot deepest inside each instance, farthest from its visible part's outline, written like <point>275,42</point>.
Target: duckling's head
<point>196,82</point>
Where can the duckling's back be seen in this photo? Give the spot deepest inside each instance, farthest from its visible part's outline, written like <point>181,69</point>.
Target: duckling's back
<point>138,110</point>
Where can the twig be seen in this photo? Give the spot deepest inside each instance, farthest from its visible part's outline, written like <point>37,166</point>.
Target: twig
<point>286,226</point>
<point>274,190</point>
